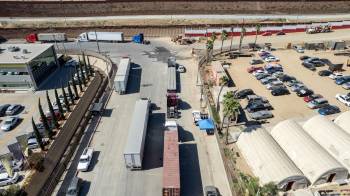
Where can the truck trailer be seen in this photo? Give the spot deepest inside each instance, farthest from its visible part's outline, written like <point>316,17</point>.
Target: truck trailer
<point>101,36</point>
<point>172,97</point>
<point>171,163</point>
<point>46,37</point>
<point>133,152</point>
<point>122,75</point>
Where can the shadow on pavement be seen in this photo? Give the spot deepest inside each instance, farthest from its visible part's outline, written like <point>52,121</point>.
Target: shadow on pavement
<point>190,176</point>
<point>184,105</point>
<point>134,80</point>
<point>61,76</point>
<point>153,153</point>
<point>178,82</point>
<point>107,112</point>
<point>94,160</point>
<point>85,187</point>
<point>184,136</point>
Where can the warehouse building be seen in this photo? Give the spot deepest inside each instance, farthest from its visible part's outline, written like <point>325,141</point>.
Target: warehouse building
<point>331,137</point>
<point>26,65</point>
<point>343,121</point>
<point>268,161</point>
<point>314,161</point>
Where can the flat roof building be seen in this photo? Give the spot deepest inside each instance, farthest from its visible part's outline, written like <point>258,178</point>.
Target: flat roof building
<point>268,161</point>
<point>26,65</point>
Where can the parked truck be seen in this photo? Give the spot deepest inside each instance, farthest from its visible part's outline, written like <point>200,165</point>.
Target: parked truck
<point>319,29</point>
<point>46,37</point>
<point>171,163</point>
<point>122,75</point>
<point>172,97</point>
<point>133,152</point>
<point>101,36</point>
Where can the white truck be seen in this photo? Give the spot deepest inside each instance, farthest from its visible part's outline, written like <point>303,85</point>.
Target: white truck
<point>122,75</point>
<point>101,36</point>
<point>133,152</point>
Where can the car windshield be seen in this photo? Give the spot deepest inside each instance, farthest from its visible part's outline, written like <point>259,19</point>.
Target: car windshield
<point>8,122</point>
<point>83,160</point>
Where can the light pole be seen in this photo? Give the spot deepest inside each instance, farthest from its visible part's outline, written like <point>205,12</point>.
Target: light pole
<point>98,45</point>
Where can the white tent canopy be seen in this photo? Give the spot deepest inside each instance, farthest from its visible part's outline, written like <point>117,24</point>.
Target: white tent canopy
<point>343,121</point>
<point>314,161</point>
<point>268,161</point>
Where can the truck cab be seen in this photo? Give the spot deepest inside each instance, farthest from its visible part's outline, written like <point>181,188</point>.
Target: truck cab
<point>83,37</point>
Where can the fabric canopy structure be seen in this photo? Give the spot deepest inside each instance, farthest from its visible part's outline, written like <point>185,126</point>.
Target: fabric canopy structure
<point>206,124</point>
<point>268,161</point>
<point>343,121</point>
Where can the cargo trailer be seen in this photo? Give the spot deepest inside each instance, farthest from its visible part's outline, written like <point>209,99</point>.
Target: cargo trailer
<point>101,36</point>
<point>133,152</point>
<point>171,164</point>
<point>122,75</point>
<point>46,37</point>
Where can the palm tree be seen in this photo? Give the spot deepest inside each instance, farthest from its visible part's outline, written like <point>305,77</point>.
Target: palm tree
<point>209,47</point>
<point>224,35</point>
<point>59,105</point>
<point>231,38</point>
<point>224,81</point>
<point>66,103</point>
<point>87,72</point>
<point>82,74</point>
<point>269,189</point>
<point>75,88</point>
<point>37,135</point>
<point>52,112</point>
<point>243,31</point>
<point>213,37</point>
<point>257,31</point>
<point>91,70</point>
<point>44,120</point>
<point>231,109</point>
<point>70,94</point>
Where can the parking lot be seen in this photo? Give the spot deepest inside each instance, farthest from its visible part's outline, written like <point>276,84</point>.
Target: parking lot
<point>291,106</point>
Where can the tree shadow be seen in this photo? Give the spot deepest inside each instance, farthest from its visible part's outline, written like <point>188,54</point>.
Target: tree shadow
<point>94,160</point>
<point>190,176</point>
<point>153,150</point>
<point>134,80</point>
<point>184,135</point>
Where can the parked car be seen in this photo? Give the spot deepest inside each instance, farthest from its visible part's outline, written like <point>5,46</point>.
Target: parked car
<point>309,66</point>
<point>71,63</point>
<point>345,99</point>
<point>10,123</point>
<point>258,72</point>
<point>74,186</point>
<point>211,191</point>
<point>256,61</point>
<point>342,80</point>
<point>271,59</point>
<point>262,76</point>
<point>272,70</point>
<point>85,159</point>
<point>318,63</point>
<point>346,85</point>
<point>3,109</point>
<point>297,86</point>
<point>299,49</point>
<point>251,98</point>
<point>304,92</point>
<point>292,82</point>
<point>335,75</point>
<point>5,179</point>
<point>274,85</point>
<point>304,57</point>
<point>196,116</point>
<point>254,68</point>
<point>244,93</point>
<point>328,110</point>
<point>181,69</point>
<point>13,109</point>
<point>287,78</point>
<point>324,73</point>
<point>266,34</point>
<point>32,142</point>
<point>278,74</point>
<point>263,114</point>
<point>317,103</point>
<point>312,97</point>
<point>280,91</point>
<point>280,33</point>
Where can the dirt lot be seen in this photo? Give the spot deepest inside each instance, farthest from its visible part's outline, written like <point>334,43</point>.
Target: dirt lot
<point>291,106</point>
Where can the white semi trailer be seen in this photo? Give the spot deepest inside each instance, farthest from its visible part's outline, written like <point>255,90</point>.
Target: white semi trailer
<point>133,152</point>
<point>122,75</point>
<point>101,36</point>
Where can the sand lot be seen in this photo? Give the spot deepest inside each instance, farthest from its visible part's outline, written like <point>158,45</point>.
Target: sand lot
<point>291,106</point>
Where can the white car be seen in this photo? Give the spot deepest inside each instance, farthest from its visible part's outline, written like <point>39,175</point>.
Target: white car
<point>344,99</point>
<point>85,159</point>
<point>196,116</point>
<point>271,59</point>
<point>274,84</point>
<point>181,69</point>
<point>5,179</point>
<point>257,72</point>
<point>335,75</point>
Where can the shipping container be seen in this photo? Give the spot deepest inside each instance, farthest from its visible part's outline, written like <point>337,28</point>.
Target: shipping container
<point>101,36</point>
<point>122,75</point>
<point>171,164</point>
<point>133,152</point>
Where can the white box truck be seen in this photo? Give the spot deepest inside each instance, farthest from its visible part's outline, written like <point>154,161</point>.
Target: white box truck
<point>133,152</point>
<point>52,37</point>
<point>101,36</point>
<point>122,75</point>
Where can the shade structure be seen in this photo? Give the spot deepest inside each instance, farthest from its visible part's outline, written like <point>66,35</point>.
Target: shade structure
<point>313,160</point>
<point>268,161</point>
<point>343,121</point>
<point>206,124</point>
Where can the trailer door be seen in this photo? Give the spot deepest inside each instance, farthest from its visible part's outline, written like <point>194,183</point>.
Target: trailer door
<point>129,160</point>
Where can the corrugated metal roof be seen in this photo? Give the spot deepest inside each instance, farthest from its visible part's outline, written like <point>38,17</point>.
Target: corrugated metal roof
<point>266,158</point>
<point>343,121</point>
<point>331,137</point>
<point>305,152</point>
<point>172,78</point>
<point>171,165</point>
<point>123,67</point>
<point>137,130</point>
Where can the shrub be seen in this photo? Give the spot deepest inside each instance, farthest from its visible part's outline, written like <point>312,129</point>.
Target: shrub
<point>36,161</point>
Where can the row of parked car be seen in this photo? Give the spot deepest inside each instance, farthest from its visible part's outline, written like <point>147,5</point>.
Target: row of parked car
<point>267,56</point>
<point>312,62</point>
<point>10,110</point>
<point>12,73</point>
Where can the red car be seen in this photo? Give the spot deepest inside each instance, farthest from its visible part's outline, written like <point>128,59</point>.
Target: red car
<point>280,33</point>
<point>266,34</point>
<point>312,97</point>
<point>254,68</point>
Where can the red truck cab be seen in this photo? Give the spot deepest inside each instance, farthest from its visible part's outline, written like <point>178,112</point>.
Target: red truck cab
<point>31,38</point>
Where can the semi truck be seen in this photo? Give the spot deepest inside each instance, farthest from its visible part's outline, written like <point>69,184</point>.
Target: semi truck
<point>122,75</point>
<point>171,95</point>
<point>46,37</point>
<point>101,36</point>
<point>133,152</point>
<point>171,163</point>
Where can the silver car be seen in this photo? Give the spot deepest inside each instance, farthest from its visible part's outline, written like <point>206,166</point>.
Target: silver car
<point>5,179</point>
<point>297,86</point>
<point>263,114</point>
<point>317,103</point>
<point>346,86</point>
<point>10,123</point>
<point>13,109</point>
